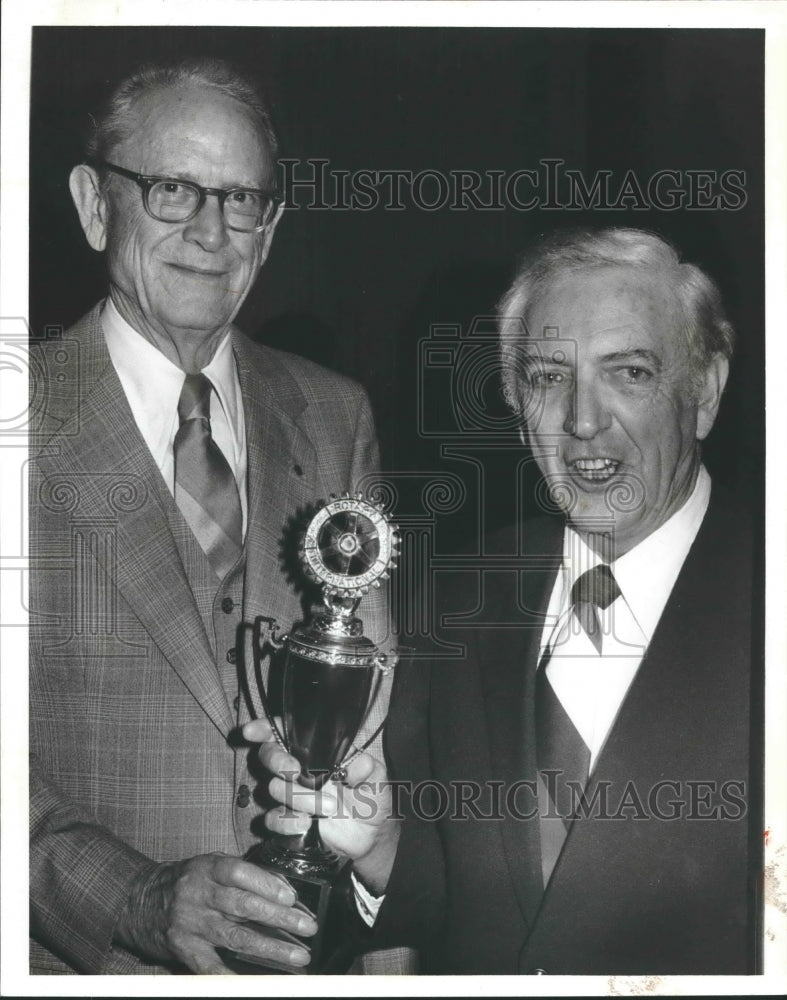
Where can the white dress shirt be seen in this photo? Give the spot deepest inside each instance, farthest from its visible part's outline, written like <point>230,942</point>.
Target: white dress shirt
<point>590,687</point>
<point>152,384</point>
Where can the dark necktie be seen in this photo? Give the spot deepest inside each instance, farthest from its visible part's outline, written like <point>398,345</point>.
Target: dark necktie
<point>560,748</point>
<point>205,488</point>
<point>595,589</point>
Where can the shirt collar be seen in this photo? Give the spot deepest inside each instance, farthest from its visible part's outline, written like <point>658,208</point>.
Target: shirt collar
<point>223,374</point>
<point>155,382</point>
<point>647,573</point>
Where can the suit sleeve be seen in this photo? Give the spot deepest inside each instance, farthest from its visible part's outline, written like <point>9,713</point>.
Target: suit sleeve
<point>80,872</point>
<point>80,876</point>
<point>412,903</point>
<point>413,907</point>
<point>375,609</point>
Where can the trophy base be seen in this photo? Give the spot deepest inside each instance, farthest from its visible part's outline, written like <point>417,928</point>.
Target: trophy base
<point>312,873</point>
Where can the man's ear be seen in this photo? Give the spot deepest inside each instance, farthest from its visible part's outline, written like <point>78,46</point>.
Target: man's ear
<point>90,204</point>
<point>709,394</point>
<point>267,234</point>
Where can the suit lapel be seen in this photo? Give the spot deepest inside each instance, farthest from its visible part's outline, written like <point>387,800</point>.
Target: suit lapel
<point>679,669</point>
<point>509,659</point>
<point>687,695</point>
<point>281,462</point>
<point>119,486</point>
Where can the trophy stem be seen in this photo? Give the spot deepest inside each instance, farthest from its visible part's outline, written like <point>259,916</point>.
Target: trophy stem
<point>297,854</point>
<point>312,841</point>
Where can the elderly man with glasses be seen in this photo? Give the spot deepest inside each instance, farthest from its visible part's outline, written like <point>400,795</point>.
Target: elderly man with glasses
<point>181,453</point>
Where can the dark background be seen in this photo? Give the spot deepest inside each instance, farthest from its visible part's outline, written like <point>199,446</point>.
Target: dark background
<point>359,290</point>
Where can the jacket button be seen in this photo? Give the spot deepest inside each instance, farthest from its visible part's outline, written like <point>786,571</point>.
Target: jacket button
<point>232,655</point>
<point>227,605</point>
<point>236,702</point>
<point>244,797</point>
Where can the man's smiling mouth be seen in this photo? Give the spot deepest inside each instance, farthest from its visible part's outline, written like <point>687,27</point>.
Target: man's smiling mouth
<point>594,470</point>
<point>203,272</point>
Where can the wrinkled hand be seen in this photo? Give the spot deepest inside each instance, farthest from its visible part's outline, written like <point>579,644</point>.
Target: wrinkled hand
<point>355,815</point>
<point>185,910</point>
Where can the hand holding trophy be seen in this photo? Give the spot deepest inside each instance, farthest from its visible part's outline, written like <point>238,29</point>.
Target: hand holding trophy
<point>330,677</point>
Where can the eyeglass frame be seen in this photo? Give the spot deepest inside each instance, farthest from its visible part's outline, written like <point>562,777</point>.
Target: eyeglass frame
<point>147,181</point>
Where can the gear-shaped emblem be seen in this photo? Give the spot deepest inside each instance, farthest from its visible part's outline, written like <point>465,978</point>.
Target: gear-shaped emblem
<point>349,545</point>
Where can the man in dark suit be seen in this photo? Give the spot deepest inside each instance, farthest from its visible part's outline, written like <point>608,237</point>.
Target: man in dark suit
<point>574,794</point>
<point>170,456</point>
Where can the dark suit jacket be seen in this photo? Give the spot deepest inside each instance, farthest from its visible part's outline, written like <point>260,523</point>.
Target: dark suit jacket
<point>642,886</point>
<point>133,758</point>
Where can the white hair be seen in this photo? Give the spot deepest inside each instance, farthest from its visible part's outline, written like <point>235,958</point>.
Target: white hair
<point>115,122</point>
<point>707,328</point>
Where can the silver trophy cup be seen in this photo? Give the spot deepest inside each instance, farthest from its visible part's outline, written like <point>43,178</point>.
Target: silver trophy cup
<point>331,674</point>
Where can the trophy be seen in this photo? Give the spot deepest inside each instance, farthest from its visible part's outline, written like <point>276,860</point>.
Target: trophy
<point>331,674</point>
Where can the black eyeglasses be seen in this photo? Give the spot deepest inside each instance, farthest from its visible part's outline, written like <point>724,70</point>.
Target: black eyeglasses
<point>169,199</point>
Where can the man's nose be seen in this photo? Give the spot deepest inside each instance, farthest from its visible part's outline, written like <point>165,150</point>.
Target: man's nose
<point>587,411</point>
<point>207,229</point>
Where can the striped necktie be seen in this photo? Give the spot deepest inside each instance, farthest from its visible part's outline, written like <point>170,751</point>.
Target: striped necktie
<point>559,747</point>
<point>205,488</point>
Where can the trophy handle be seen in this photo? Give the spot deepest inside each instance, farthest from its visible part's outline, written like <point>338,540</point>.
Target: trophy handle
<point>274,637</point>
<point>385,663</point>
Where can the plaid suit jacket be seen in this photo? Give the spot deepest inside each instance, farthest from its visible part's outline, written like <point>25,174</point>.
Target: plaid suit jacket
<point>132,756</point>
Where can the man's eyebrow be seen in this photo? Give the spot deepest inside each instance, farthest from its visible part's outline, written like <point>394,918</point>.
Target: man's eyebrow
<point>563,357</point>
<point>190,177</point>
<point>175,175</point>
<point>634,354</point>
